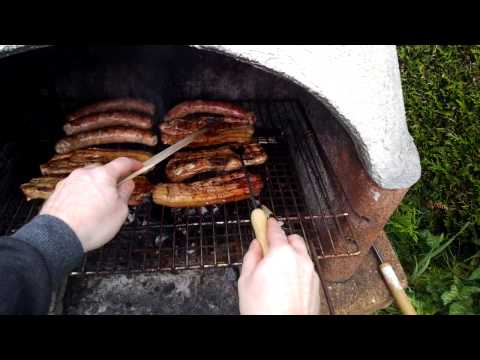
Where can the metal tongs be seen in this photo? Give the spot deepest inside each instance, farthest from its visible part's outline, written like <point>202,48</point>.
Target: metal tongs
<point>155,160</point>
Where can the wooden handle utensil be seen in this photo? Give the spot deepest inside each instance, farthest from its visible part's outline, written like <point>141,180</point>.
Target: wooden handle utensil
<point>259,224</point>
<point>388,273</point>
<point>401,298</point>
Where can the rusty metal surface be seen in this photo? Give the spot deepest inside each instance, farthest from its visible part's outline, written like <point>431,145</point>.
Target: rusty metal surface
<point>365,292</point>
<point>369,206</point>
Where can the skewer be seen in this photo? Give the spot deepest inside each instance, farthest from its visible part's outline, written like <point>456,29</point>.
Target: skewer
<point>388,273</point>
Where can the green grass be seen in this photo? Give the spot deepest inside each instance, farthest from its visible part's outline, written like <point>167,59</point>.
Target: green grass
<point>435,230</point>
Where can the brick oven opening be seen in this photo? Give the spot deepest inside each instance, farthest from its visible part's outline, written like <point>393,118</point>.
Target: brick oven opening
<point>317,180</point>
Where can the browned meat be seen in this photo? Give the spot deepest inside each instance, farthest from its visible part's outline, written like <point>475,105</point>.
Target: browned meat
<point>192,123</point>
<point>143,189</point>
<point>184,165</point>
<point>209,107</point>
<point>122,104</point>
<point>95,153</point>
<point>43,187</point>
<point>220,189</point>
<point>62,164</point>
<point>216,135</point>
<point>107,155</point>
<point>254,154</point>
<point>61,156</point>
<point>40,188</point>
<point>201,154</point>
<point>222,159</point>
<point>108,119</point>
<point>110,135</point>
<point>61,167</point>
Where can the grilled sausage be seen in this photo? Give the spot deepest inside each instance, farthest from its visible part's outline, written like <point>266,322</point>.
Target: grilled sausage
<point>217,190</point>
<point>111,135</point>
<point>184,165</point>
<point>107,119</point>
<point>209,107</point>
<point>43,187</point>
<point>122,104</point>
<point>65,163</point>
<point>216,135</point>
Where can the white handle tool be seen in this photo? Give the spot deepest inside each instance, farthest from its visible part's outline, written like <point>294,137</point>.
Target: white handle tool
<point>259,224</point>
<point>401,298</point>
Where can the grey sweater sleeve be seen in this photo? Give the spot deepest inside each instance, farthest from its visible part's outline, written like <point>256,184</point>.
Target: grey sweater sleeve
<point>56,242</point>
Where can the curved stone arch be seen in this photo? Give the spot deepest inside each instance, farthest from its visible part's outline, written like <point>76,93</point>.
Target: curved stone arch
<point>342,78</point>
<point>361,87</point>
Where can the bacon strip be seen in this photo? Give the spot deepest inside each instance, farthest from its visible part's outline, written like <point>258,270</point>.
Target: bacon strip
<point>192,123</point>
<point>217,135</point>
<point>43,187</point>
<point>62,164</point>
<point>217,190</point>
<point>184,165</point>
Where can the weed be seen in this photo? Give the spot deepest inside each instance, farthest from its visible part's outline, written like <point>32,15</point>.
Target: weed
<point>435,230</point>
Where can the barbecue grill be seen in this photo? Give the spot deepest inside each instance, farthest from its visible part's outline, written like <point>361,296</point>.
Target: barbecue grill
<point>320,179</point>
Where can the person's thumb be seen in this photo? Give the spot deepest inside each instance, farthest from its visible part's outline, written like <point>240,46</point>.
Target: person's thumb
<point>125,190</point>
<point>275,235</point>
<point>121,167</point>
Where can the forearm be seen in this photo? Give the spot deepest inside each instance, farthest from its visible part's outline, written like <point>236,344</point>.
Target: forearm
<point>33,262</point>
<point>25,285</point>
<point>56,242</point>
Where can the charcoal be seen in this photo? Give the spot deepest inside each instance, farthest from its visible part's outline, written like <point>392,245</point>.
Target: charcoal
<point>131,216</point>
<point>231,274</point>
<point>182,230</point>
<point>215,209</point>
<point>177,211</point>
<point>190,212</point>
<point>160,239</point>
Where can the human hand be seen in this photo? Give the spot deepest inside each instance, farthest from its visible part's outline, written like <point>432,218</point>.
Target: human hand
<point>91,203</point>
<point>284,282</point>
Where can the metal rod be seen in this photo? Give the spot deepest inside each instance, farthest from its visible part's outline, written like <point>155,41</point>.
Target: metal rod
<point>239,230</point>
<point>377,254</point>
<point>226,234</point>
<point>319,202</point>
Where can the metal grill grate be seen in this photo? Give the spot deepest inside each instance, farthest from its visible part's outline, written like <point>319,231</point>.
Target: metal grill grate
<point>159,238</point>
